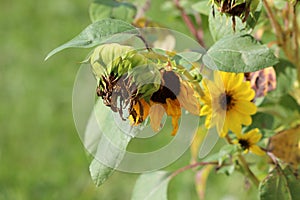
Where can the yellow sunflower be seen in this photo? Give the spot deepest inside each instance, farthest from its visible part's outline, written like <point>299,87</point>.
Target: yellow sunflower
<point>248,142</point>
<point>173,94</point>
<point>227,102</point>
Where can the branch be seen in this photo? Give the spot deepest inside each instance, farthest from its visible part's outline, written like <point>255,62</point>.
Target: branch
<point>245,166</point>
<point>296,33</point>
<point>141,11</point>
<point>197,33</point>
<point>277,28</point>
<point>197,164</point>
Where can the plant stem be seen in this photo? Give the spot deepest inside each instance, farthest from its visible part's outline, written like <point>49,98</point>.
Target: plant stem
<point>197,33</point>
<point>248,171</point>
<point>191,166</point>
<point>245,166</point>
<point>277,28</point>
<point>296,34</point>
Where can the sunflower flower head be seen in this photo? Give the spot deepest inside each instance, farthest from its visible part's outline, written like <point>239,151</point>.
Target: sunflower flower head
<point>248,142</point>
<point>173,94</point>
<point>227,102</point>
<point>137,87</point>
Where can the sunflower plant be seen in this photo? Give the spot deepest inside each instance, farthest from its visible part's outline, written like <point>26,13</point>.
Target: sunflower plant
<point>236,80</point>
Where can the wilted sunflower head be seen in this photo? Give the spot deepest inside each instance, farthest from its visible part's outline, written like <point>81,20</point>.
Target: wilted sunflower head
<point>123,75</point>
<point>130,82</point>
<point>236,8</point>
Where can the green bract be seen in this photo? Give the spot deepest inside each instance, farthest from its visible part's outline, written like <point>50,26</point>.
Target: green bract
<point>124,61</point>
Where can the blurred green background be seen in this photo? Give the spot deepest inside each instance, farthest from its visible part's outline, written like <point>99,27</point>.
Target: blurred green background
<point>41,155</point>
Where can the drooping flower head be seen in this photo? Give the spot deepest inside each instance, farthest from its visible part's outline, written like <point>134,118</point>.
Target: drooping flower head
<point>227,102</point>
<point>129,81</point>
<point>248,142</point>
<point>173,94</point>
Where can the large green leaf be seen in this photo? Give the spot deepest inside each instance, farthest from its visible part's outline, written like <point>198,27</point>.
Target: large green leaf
<point>109,145</point>
<point>151,186</point>
<point>221,26</point>
<point>106,30</point>
<point>280,184</point>
<point>101,9</point>
<point>238,53</point>
<point>202,7</point>
<point>287,109</point>
<point>286,75</point>
<point>99,172</point>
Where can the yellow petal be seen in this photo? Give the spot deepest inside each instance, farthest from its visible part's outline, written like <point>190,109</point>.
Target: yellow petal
<point>254,135</point>
<point>245,107</point>
<point>156,114</point>
<point>223,130</point>
<point>214,90</point>
<point>175,124</point>
<point>235,81</point>
<point>243,94</point>
<point>233,121</point>
<point>172,107</point>
<point>220,79</point>
<point>245,119</point>
<point>146,108</point>
<point>208,121</point>
<point>205,110</point>
<point>257,150</point>
<point>187,99</point>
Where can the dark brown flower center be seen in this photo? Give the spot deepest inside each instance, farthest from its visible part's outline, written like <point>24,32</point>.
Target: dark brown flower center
<point>170,87</point>
<point>226,101</point>
<point>244,144</point>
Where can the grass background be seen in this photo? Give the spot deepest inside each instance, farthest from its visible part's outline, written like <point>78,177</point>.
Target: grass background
<point>41,155</point>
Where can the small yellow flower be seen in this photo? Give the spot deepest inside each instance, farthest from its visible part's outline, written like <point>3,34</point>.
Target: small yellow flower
<point>248,142</point>
<point>227,102</point>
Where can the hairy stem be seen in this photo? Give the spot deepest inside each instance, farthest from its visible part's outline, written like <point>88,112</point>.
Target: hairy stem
<point>277,28</point>
<point>296,43</point>
<point>197,33</point>
<point>248,171</point>
<point>245,166</point>
<point>191,166</point>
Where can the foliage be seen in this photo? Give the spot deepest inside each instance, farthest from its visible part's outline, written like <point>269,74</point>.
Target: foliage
<point>251,103</point>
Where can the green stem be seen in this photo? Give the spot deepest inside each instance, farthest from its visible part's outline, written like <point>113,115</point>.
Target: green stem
<point>191,166</point>
<point>248,171</point>
<point>190,77</point>
<point>245,166</point>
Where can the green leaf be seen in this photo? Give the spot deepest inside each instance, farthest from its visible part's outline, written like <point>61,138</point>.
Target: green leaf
<point>101,9</point>
<point>263,121</point>
<point>280,184</point>
<point>106,30</point>
<point>99,172</point>
<point>220,25</point>
<point>108,145</point>
<point>226,152</point>
<point>238,53</point>
<point>152,185</point>
<point>286,75</point>
<point>287,109</point>
<point>186,59</point>
<point>202,7</point>
<point>293,183</point>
